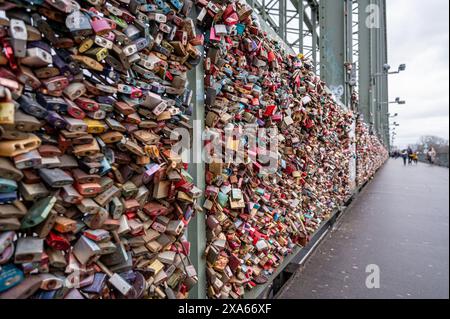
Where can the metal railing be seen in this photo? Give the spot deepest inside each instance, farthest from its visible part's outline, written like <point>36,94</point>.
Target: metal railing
<point>442,159</point>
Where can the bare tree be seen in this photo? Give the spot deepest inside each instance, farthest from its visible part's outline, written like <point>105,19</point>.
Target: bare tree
<point>441,145</point>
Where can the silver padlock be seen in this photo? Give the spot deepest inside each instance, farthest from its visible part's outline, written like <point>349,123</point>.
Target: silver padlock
<point>112,9</point>
<point>104,43</point>
<point>130,50</point>
<point>85,249</point>
<point>78,21</point>
<point>88,206</point>
<point>29,250</point>
<point>116,280</point>
<point>33,192</point>
<point>66,6</point>
<point>175,227</point>
<point>37,57</point>
<point>132,32</point>
<point>19,36</point>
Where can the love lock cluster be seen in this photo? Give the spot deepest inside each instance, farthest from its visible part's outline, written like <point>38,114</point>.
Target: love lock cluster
<point>258,212</point>
<point>371,154</point>
<point>93,203</point>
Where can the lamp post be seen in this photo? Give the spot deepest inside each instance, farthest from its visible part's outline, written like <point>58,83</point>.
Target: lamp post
<point>380,122</point>
<point>387,67</point>
<point>398,101</point>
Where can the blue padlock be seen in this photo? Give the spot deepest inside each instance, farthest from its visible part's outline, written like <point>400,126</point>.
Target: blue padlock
<point>106,167</point>
<point>10,276</point>
<point>35,2</point>
<point>31,107</point>
<point>8,197</point>
<point>176,4</point>
<point>7,185</point>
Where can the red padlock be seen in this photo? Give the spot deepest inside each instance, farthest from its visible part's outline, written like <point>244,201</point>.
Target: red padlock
<point>75,111</point>
<point>87,104</point>
<point>57,242</point>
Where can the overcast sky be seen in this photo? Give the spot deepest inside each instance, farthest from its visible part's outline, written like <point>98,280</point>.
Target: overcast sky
<point>418,36</point>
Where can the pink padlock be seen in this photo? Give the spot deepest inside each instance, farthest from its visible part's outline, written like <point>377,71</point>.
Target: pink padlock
<point>277,117</point>
<point>101,26</point>
<point>110,36</point>
<point>213,36</point>
<point>136,93</point>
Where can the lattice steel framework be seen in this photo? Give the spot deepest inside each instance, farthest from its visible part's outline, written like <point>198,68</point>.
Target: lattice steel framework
<point>304,24</point>
<point>314,27</point>
<point>296,22</point>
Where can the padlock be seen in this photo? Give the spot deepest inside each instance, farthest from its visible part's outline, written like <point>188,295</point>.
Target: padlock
<point>66,6</point>
<point>38,212</point>
<point>33,192</point>
<point>10,276</point>
<point>8,171</point>
<point>7,113</point>
<point>37,57</point>
<point>85,249</point>
<point>100,132</point>
<point>31,107</point>
<point>45,227</point>
<point>75,91</point>
<point>28,250</point>
<point>15,148</point>
<point>103,42</point>
<point>88,62</point>
<point>101,26</point>
<point>19,34</point>
<point>116,280</point>
<point>58,83</point>
<point>54,103</point>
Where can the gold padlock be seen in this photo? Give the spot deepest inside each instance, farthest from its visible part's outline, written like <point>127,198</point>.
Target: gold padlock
<point>7,110</point>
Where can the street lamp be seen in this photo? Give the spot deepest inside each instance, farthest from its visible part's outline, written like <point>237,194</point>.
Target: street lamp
<point>387,67</point>
<point>397,101</point>
<point>393,116</point>
<point>401,68</point>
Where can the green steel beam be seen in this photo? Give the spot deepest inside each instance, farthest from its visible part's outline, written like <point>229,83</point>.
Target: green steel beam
<point>197,226</point>
<point>378,69</point>
<point>301,21</point>
<point>385,82</point>
<point>365,64</point>
<point>282,16</point>
<point>308,21</point>
<point>336,46</point>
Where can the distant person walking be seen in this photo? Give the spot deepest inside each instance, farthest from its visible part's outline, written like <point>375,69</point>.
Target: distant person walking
<point>410,154</point>
<point>415,158</point>
<point>431,156</point>
<point>404,155</point>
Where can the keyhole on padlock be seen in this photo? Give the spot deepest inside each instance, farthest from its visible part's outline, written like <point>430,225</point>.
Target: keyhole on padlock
<point>51,285</point>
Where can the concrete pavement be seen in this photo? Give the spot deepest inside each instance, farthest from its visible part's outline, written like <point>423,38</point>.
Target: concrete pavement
<point>399,222</point>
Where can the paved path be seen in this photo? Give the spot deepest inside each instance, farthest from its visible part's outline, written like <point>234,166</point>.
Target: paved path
<point>399,222</point>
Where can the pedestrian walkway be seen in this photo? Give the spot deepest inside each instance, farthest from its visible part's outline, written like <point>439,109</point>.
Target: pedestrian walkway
<point>399,222</point>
